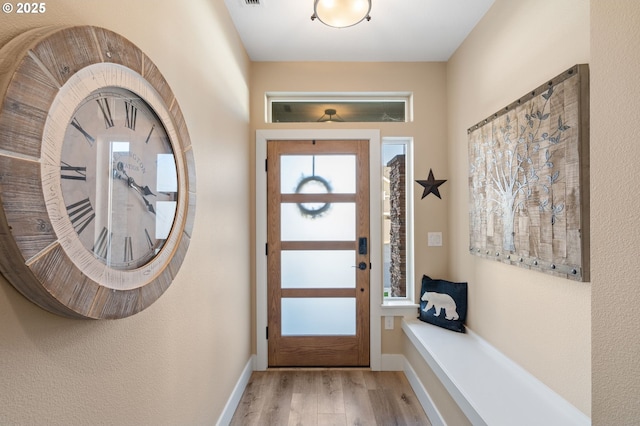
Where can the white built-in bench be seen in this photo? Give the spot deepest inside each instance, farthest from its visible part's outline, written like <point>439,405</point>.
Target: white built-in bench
<point>490,388</point>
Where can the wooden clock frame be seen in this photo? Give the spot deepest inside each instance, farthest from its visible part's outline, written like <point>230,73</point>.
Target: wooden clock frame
<point>40,253</point>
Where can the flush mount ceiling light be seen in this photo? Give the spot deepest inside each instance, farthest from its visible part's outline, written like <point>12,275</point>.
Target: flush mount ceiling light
<point>330,115</point>
<point>341,13</point>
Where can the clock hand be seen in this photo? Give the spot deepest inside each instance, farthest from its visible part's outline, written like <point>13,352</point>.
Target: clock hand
<point>143,190</point>
<point>132,184</point>
<point>137,188</point>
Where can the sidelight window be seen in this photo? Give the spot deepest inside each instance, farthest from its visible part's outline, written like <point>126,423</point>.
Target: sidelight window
<point>397,219</point>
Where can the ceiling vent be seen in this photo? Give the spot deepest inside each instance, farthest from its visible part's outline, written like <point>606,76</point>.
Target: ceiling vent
<point>253,2</point>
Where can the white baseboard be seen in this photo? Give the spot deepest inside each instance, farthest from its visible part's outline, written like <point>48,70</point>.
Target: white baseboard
<point>423,396</point>
<point>236,395</point>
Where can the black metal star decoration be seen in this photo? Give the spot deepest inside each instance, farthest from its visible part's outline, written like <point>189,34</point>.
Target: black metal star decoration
<point>431,185</point>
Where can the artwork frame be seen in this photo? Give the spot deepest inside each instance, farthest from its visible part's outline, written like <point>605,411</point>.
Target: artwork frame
<point>529,179</point>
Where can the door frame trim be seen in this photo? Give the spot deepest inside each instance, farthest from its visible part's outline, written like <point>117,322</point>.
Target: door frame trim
<point>375,212</point>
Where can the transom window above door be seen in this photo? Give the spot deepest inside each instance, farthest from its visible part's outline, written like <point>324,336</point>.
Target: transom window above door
<point>351,108</point>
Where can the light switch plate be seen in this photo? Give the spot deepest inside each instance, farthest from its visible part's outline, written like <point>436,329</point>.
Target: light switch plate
<point>388,323</point>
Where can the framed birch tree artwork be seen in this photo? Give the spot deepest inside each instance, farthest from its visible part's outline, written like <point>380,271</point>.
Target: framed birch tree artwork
<point>529,180</point>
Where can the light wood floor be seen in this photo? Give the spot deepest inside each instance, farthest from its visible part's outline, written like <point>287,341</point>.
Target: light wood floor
<point>329,397</point>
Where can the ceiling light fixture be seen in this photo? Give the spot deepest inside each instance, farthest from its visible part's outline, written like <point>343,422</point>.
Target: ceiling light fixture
<point>341,13</point>
<point>328,116</point>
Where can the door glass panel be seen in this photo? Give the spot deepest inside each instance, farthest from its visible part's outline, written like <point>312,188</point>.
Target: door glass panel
<point>313,174</point>
<point>336,223</point>
<point>318,269</point>
<point>334,316</point>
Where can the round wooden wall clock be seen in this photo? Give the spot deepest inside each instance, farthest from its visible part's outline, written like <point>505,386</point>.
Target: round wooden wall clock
<point>97,180</point>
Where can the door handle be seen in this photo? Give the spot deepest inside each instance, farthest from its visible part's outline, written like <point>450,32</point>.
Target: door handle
<point>362,266</point>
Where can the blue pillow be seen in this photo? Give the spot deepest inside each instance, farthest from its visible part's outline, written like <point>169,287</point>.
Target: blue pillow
<point>443,303</point>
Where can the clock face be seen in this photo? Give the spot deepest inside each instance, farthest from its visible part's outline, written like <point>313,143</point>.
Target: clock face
<point>118,178</point>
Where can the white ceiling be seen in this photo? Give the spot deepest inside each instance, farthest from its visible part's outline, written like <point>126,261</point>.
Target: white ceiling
<point>399,30</point>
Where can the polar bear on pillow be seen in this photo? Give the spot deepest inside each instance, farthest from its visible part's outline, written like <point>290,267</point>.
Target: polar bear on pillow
<point>440,301</point>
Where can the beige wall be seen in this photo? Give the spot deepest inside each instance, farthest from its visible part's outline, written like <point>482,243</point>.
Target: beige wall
<point>541,322</point>
<point>178,361</point>
<point>427,82</point>
<point>615,210</point>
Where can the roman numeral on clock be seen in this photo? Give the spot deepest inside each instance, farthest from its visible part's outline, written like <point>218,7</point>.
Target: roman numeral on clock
<point>68,171</point>
<point>149,135</point>
<point>86,135</point>
<point>81,214</point>
<point>103,242</point>
<point>131,115</point>
<point>128,249</point>
<point>149,240</point>
<point>106,111</point>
